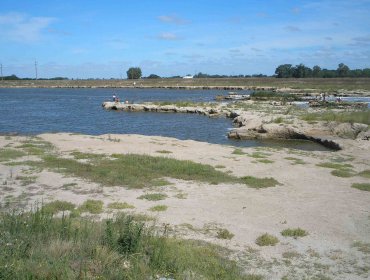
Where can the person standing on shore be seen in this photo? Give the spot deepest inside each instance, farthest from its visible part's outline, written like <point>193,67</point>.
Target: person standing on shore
<point>114,97</point>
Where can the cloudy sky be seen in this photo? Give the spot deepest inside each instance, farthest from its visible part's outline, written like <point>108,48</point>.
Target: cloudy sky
<point>102,39</point>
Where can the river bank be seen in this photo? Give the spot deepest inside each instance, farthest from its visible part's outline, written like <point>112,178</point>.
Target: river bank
<point>309,193</point>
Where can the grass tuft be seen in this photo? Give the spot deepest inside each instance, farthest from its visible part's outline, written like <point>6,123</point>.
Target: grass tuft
<point>365,173</point>
<point>10,154</point>
<point>345,173</point>
<point>120,205</point>
<point>58,206</point>
<point>361,186</point>
<point>295,160</point>
<point>238,152</point>
<point>294,232</point>
<point>92,206</point>
<point>259,183</point>
<point>158,208</point>
<point>267,240</point>
<point>223,233</point>
<point>153,196</point>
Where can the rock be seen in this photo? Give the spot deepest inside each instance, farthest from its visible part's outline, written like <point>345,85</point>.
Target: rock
<point>347,130</point>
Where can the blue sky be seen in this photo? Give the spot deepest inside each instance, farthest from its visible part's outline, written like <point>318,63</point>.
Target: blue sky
<point>102,39</point>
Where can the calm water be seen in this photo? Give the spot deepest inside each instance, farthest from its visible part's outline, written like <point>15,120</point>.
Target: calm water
<point>34,111</point>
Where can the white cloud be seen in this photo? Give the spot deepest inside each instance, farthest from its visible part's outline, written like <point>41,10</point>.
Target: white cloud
<point>172,19</point>
<point>168,36</point>
<point>22,28</point>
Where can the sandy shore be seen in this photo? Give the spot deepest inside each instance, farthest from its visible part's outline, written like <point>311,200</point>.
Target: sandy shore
<point>336,216</point>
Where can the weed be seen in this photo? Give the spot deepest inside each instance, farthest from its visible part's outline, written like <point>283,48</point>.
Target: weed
<point>294,232</point>
<point>153,196</point>
<point>259,183</point>
<point>223,233</point>
<point>160,182</point>
<point>158,208</point>
<point>68,185</point>
<point>58,206</point>
<point>120,205</point>
<point>259,155</point>
<point>163,152</point>
<point>26,180</point>
<point>220,166</point>
<point>278,120</point>
<point>265,161</point>
<point>181,195</point>
<point>365,173</point>
<point>238,152</point>
<point>361,186</point>
<point>334,165</point>
<point>10,154</point>
<point>345,173</point>
<point>92,206</point>
<point>267,240</point>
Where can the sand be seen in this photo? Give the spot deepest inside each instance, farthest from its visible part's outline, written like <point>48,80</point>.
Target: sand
<point>335,215</point>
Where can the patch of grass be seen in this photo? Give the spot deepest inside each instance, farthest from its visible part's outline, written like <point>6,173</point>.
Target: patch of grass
<point>26,180</point>
<point>163,152</point>
<point>267,240</point>
<point>296,160</point>
<point>10,154</point>
<point>259,155</point>
<point>345,173</point>
<point>160,182</point>
<point>294,232</point>
<point>181,195</point>
<point>135,171</point>
<point>38,246</point>
<point>276,96</point>
<point>350,117</point>
<point>362,247</point>
<point>120,205</point>
<point>259,183</point>
<point>278,120</point>
<point>36,146</point>
<point>223,233</point>
<point>92,206</point>
<point>365,173</point>
<point>153,196</point>
<point>291,255</point>
<point>335,165</point>
<point>58,206</point>
<point>68,185</point>
<point>79,155</point>
<point>361,186</point>
<point>220,166</point>
<point>158,208</point>
<point>238,152</point>
<point>265,161</point>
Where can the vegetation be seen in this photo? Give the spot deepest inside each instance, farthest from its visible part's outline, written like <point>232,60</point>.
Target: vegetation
<point>302,71</point>
<point>158,208</point>
<point>223,233</point>
<point>365,173</point>
<point>267,240</point>
<point>38,246</point>
<point>153,196</point>
<point>92,206</point>
<point>350,117</point>
<point>296,160</point>
<point>238,151</point>
<point>134,73</point>
<point>345,173</point>
<point>10,154</point>
<point>58,206</point>
<point>362,186</point>
<point>120,205</point>
<point>294,232</point>
<point>276,96</point>
<point>259,183</point>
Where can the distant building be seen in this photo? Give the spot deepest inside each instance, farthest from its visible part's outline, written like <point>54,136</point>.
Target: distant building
<point>188,77</point>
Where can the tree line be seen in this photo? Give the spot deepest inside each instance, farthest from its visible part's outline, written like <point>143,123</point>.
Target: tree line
<point>302,71</point>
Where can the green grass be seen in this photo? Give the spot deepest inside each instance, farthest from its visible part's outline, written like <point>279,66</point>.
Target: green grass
<point>365,173</point>
<point>120,205</point>
<point>295,160</point>
<point>276,96</point>
<point>278,120</point>
<point>349,117</point>
<point>160,182</point>
<point>223,233</point>
<point>26,180</point>
<point>38,246</point>
<point>92,206</point>
<point>135,171</point>
<point>58,206</point>
<point>153,196</point>
<point>36,146</point>
<point>259,183</point>
<point>335,165</point>
<point>264,160</point>
<point>361,186</point>
<point>158,208</point>
<point>362,246</point>
<point>238,152</point>
<point>259,155</point>
<point>163,152</point>
<point>10,154</point>
<point>344,173</point>
<point>294,232</point>
<point>267,240</point>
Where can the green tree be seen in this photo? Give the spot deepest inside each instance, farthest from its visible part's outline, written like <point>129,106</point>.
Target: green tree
<point>284,71</point>
<point>316,71</point>
<point>301,71</point>
<point>134,73</point>
<point>153,76</point>
<point>343,70</point>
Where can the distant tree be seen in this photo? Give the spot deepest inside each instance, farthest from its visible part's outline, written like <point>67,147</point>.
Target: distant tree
<point>301,71</point>
<point>134,73</point>
<point>343,70</point>
<point>284,71</point>
<point>316,71</point>
<point>153,76</point>
<point>11,77</point>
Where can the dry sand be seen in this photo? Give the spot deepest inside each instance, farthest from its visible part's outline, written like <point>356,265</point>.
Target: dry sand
<point>334,214</point>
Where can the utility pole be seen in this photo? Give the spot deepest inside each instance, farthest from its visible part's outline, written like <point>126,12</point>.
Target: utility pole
<point>1,71</point>
<point>36,69</point>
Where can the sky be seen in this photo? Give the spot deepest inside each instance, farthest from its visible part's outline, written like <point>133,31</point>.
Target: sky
<point>102,39</point>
